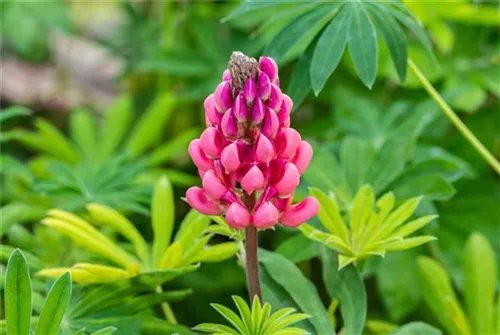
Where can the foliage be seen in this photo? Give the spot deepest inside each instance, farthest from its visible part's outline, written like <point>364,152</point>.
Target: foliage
<point>255,321</point>
<point>164,258</point>
<point>369,232</point>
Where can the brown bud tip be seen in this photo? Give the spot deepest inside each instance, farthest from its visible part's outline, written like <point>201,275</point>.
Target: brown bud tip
<point>241,68</point>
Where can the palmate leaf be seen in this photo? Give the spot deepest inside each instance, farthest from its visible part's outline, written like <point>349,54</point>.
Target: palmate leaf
<point>358,24</point>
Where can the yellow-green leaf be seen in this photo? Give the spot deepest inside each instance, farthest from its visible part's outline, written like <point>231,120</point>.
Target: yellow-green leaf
<point>329,240</point>
<point>361,209</point>
<point>191,228</point>
<point>329,215</point>
<point>171,257</point>
<point>116,122</point>
<point>414,225</point>
<point>84,133</point>
<point>218,252</point>
<point>162,217</point>
<point>56,139</point>
<point>55,306</point>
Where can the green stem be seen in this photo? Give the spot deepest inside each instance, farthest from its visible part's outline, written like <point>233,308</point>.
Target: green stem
<point>167,310</point>
<point>450,114</point>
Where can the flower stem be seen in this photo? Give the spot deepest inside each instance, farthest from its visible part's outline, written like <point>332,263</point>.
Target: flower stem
<point>167,310</point>
<point>252,262</point>
<point>450,114</point>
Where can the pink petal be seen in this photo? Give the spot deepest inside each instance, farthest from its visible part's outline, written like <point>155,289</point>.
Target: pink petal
<point>264,86</point>
<point>226,75</point>
<point>271,124</point>
<point>265,216</point>
<point>285,110</point>
<point>222,97</point>
<point>212,142</point>
<point>287,142</point>
<point>276,170</point>
<point>300,212</point>
<point>253,180</point>
<point>289,181</point>
<point>238,216</point>
<point>303,156</point>
<point>269,67</point>
<point>264,150</point>
<point>196,198</point>
<point>282,204</point>
<point>198,156</point>
<point>228,124</point>
<point>211,112</point>
<point>230,158</point>
<point>250,91</point>
<point>240,108</point>
<point>275,99</point>
<point>201,173</point>
<point>258,111</point>
<point>213,186</point>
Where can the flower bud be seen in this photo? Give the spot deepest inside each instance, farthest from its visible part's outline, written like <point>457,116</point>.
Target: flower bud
<point>238,216</point>
<point>300,213</point>
<point>212,142</point>
<point>198,156</point>
<point>303,156</point>
<point>285,110</point>
<point>265,216</point>
<point>249,91</point>
<point>264,86</point>
<point>271,124</point>
<point>228,124</point>
<point>240,108</point>
<point>213,186</point>
<point>253,180</point>
<point>264,150</point>
<point>289,181</point>
<point>269,67</point>
<point>222,97</point>
<point>275,98</point>
<point>230,158</point>
<point>226,75</point>
<point>196,198</point>
<point>211,113</point>
<point>258,112</point>
<point>287,142</point>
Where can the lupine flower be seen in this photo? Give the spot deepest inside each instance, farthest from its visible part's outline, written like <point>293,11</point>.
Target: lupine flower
<point>248,157</point>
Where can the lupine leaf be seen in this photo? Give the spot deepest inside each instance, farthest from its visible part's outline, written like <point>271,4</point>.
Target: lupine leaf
<point>192,226</point>
<point>173,146</point>
<point>18,296</point>
<point>55,306</point>
<point>297,248</point>
<point>245,312</point>
<point>105,331</point>
<point>356,156</point>
<point>116,122</point>
<point>218,252</point>
<point>230,316</point>
<point>171,257</point>
<point>162,217</point>
<point>300,83</point>
<point>329,214</point>
<point>84,132</point>
<point>416,328</point>
<point>53,137</point>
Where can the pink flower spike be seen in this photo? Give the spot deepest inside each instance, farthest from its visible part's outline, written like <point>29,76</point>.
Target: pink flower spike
<point>258,112</point>
<point>264,86</point>
<point>275,99</point>
<point>265,216</point>
<point>269,67</point>
<point>223,97</point>
<point>226,75</point>
<point>212,142</point>
<point>211,112</point>
<point>289,181</point>
<point>240,108</point>
<point>228,124</point>
<point>237,216</point>
<point>264,149</point>
<point>271,124</point>
<point>300,213</point>
<point>249,91</point>
<point>198,156</point>
<point>303,156</point>
<point>230,158</point>
<point>287,142</point>
<point>213,186</point>
<point>196,198</point>
<point>253,180</point>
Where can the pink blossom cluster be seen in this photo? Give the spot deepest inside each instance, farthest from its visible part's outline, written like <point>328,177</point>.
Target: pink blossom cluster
<point>248,157</point>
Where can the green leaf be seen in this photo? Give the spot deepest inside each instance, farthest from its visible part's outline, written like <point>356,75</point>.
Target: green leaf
<point>18,299</point>
<point>398,283</point>
<point>329,215</point>
<point>218,252</point>
<point>167,151</point>
<point>230,316</point>
<point>149,127</point>
<point>155,278</point>
<point>105,331</point>
<point>432,186</point>
<point>116,122</point>
<point>53,137</point>
<point>362,42</point>
<point>394,38</point>
<point>283,285</point>
<point>191,228</point>
<point>416,328</point>
<point>297,248</point>
<point>13,112</point>
<point>55,306</point>
<point>300,82</point>
<point>329,49</point>
<point>162,217</point>
<point>436,288</point>
<point>297,35</point>
<point>84,133</point>
<point>347,286</point>
<point>480,280</point>
<point>356,156</point>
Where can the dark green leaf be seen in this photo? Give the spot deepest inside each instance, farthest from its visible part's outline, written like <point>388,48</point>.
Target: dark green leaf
<point>432,186</point>
<point>300,82</point>
<point>416,328</point>
<point>298,248</point>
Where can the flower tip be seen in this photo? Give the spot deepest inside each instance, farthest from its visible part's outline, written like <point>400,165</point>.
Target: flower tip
<point>211,113</point>
<point>265,216</point>
<point>198,156</point>
<point>289,181</point>
<point>222,96</point>
<point>212,142</point>
<point>230,158</point>
<point>264,86</point>
<point>228,124</point>
<point>300,213</point>
<point>249,91</point>
<point>264,149</point>
<point>237,216</point>
<point>303,156</point>
<point>212,185</point>
<point>269,67</point>
<point>196,198</point>
<point>253,180</point>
